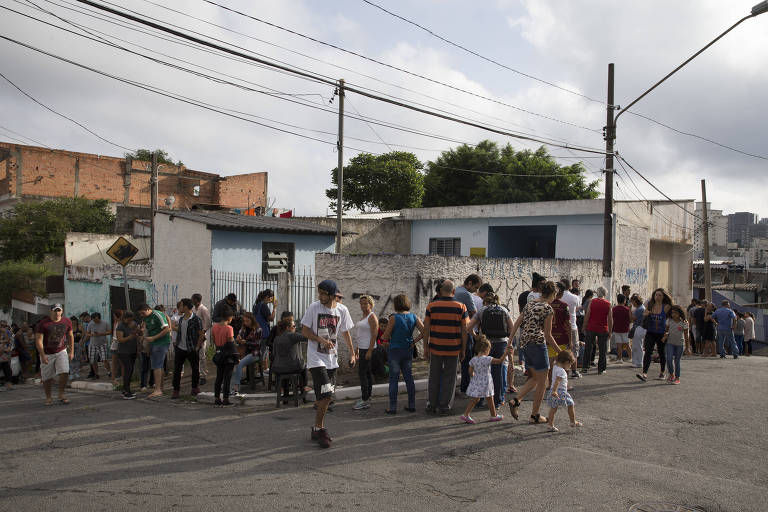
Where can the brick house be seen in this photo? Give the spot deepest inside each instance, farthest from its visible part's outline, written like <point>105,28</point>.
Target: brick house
<point>31,172</point>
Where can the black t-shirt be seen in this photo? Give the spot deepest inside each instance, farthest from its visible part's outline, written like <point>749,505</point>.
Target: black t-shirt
<point>522,300</point>
<point>698,317</point>
<point>130,346</point>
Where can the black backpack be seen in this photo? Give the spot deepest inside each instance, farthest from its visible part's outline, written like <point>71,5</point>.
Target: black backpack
<point>495,322</point>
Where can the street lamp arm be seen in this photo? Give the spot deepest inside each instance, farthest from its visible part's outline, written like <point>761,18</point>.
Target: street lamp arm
<point>754,13</point>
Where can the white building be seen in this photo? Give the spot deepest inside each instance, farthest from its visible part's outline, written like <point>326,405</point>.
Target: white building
<point>718,233</point>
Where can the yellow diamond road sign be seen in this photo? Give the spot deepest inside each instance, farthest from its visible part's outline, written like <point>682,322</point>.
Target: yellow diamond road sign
<point>122,251</point>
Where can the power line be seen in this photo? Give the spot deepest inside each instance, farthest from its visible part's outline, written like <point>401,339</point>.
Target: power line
<point>381,63</point>
<point>23,136</point>
<point>472,52</point>
<point>329,82</point>
<point>59,113</point>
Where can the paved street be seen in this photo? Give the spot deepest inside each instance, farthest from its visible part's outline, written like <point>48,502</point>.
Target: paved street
<point>699,444</point>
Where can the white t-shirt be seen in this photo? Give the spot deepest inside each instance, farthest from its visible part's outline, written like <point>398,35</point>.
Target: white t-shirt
<point>329,324</point>
<point>533,296</point>
<point>557,371</point>
<point>478,302</point>
<point>573,301</point>
<point>362,334</point>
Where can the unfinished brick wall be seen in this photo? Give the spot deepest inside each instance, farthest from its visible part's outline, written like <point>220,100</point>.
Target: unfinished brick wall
<point>49,173</point>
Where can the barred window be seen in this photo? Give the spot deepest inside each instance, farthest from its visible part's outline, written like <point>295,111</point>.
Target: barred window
<point>445,246</point>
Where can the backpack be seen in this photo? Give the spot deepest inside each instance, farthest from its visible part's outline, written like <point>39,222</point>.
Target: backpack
<point>495,322</point>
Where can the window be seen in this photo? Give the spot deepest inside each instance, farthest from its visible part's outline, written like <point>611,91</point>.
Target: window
<point>445,246</point>
<point>522,241</point>
<point>276,258</point>
<point>196,190</point>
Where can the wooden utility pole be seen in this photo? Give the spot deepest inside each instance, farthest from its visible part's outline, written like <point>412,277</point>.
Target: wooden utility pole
<point>340,169</point>
<point>705,236</point>
<point>610,135</point>
<point>153,199</point>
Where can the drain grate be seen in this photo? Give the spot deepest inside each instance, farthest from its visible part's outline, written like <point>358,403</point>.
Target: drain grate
<point>663,507</point>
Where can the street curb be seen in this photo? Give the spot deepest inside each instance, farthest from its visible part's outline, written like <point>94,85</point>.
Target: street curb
<point>84,385</point>
<point>341,393</point>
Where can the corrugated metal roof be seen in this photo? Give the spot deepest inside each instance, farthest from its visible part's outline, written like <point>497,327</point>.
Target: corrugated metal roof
<point>232,222</point>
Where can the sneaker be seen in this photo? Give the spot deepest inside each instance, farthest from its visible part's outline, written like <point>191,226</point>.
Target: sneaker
<point>498,417</point>
<point>226,403</point>
<point>195,391</point>
<point>360,404</point>
<point>217,402</point>
<point>575,374</point>
<point>467,419</point>
<point>323,439</point>
<point>316,434</point>
<point>671,379</point>
<point>676,381</point>
<point>143,389</point>
<point>202,381</point>
<point>129,396</point>
<point>661,376</point>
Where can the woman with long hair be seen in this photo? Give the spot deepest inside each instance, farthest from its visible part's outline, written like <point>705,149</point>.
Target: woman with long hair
<point>365,333</point>
<point>249,338</point>
<point>535,324</point>
<point>225,357</point>
<point>399,333</point>
<point>656,313</point>
<point>709,332</point>
<point>261,310</point>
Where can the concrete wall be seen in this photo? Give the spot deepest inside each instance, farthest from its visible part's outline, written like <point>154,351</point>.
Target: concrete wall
<point>239,251</point>
<point>86,288</point>
<point>182,263</point>
<point>578,236</point>
<point>90,249</point>
<point>387,276</point>
<point>370,236</point>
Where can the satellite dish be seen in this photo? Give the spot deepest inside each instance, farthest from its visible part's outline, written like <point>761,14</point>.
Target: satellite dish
<point>170,200</point>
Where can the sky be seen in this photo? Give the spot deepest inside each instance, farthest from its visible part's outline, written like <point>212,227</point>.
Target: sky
<point>549,82</point>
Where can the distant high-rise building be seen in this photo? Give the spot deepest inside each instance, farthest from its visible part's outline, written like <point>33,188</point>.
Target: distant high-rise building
<point>739,227</point>
<point>718,240</point>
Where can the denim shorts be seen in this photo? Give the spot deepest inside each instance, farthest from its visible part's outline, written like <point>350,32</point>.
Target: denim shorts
<point>157,356</point>
<point>535,356</point>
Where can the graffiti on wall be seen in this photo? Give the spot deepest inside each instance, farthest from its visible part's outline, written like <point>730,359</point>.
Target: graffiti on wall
<point>636,276</point>
<point>166,294</point>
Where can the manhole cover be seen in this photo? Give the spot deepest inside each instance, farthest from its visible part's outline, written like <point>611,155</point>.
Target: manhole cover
<point>662,507</point>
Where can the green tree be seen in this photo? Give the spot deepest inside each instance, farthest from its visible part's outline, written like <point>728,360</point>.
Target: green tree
<point>146,155</point>
<point>543,179</point>
<point>39,228</point>
<point>20,275</point>
<point>391,181</point>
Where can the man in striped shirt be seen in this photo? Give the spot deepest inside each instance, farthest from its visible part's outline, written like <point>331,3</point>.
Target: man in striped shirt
<point>445,342</point>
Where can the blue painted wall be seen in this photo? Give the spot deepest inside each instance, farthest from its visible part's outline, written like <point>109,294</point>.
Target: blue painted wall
<point>237,251</point>
<point>94,296</point>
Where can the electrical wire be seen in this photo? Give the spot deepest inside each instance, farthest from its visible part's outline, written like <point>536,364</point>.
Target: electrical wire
<point>22,91</point>
<point>23,136</point>
<point>488,59</point>
<point>402,70</point>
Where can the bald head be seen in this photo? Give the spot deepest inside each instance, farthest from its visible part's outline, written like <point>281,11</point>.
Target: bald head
<point>447,288</point>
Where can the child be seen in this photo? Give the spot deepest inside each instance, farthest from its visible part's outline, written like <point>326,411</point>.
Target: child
<point>558,391</point>
<point>481,385</point>
<point>676,337</point>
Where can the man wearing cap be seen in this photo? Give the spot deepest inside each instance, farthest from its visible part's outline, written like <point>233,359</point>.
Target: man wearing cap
<point>52,335</point>
<point>322,324</point>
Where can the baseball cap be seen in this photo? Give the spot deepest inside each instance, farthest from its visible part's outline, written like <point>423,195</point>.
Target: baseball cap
<point>57,306</point>
<point>330,288</point>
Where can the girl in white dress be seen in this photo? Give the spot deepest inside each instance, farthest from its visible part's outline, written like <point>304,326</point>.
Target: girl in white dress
<point>481,385</point>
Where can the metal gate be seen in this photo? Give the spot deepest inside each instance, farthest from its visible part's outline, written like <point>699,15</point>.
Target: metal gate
<point>294,292</point>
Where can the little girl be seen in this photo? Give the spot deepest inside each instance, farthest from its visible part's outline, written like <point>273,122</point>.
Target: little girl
<point>558,392</point>
<point>481,385</point>
<point>676,338</point>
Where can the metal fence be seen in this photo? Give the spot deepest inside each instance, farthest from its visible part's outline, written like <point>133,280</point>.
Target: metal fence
<point>294,292</point>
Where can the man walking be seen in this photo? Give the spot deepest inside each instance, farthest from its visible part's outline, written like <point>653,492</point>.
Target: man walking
<point>322,324</point>
<point>598,323</point>
<point>53,336</point>
<point>205,317</point>
<point>96,334</point>
<point>463,294</point>
<point>573,302</point>
<point>726,322</point>
<point>445,344</point>
<point>158,334</point>
<point>189,338</point>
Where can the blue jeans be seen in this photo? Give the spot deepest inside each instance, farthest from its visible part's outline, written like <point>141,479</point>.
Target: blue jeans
<point>498,375</point>
<point>237,376</point>
<point>739,338</point>
<point>674,354</point>
<point>725,338</point>
<point>400,360</point>
<point>157,355</point>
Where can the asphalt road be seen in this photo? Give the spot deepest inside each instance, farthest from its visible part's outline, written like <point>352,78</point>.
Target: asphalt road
<point>701,444</point>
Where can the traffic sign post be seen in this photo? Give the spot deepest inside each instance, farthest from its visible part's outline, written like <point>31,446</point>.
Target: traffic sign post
<point>123,251</point>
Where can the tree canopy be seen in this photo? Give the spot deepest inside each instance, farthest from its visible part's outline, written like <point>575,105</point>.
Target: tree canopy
<point>39,228</point>
<point>20,275</point>
<point>146,155</point>
<point>391,181</point>
<point>475,175</point>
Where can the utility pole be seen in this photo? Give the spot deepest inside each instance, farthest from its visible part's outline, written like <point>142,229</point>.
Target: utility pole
<point>153,199</point>
<point>705,227</point>
<point>340,169</point>
<point>610,135</point>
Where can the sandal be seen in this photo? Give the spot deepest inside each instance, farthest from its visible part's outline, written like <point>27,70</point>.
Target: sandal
<point>641,377</point>
<point>537,419</point>
<point>577,423</point>
<point>514,408</point>
<point>511,389</point>
<point>48,402</point>
<point>553,428</point>
<point>63,401</point>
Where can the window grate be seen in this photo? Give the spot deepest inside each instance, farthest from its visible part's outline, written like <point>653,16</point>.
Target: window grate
<point>445,246</point>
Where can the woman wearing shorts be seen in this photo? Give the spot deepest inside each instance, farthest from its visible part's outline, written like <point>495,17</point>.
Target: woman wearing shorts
<point>535,324</point>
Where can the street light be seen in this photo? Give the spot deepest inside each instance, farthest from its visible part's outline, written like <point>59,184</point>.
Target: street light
<point>610,136</point>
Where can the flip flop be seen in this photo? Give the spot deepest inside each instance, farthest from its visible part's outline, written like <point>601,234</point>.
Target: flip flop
<point>641,377</point>
<point>154,395</point>
<point>63,401</point>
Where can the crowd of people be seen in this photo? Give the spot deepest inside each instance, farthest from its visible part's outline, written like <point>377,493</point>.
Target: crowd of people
<point>465,331</point>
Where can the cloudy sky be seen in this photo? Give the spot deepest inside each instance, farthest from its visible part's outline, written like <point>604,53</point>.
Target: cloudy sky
<point>719,96</point>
